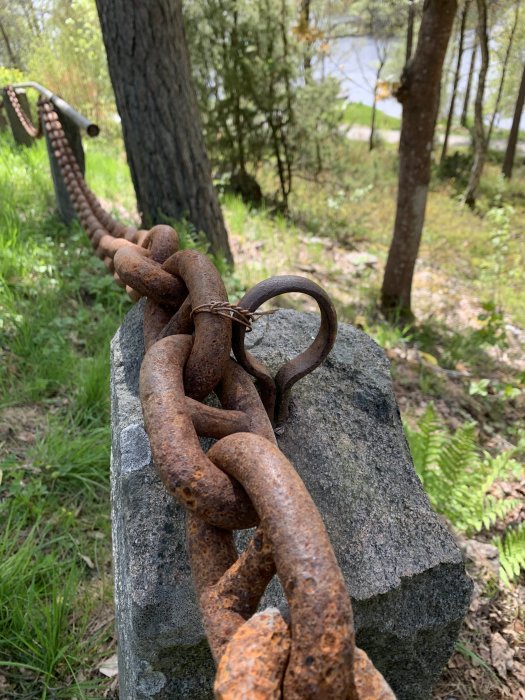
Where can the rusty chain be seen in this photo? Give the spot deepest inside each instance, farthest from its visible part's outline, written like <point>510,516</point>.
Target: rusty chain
<point>244,480</point>
<point>35,132</point>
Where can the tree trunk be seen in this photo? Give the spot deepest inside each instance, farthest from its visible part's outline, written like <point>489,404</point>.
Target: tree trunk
<point>10,52</point>
<point>464,112</point>
<point>419,94</point>
<point>410,30</point>
<point>456,79</point>
<point>304,24</point>
<point>381,54</point>
<point>503,72</point>
<point>508,163</point>
<point>480,144</point>
<point>150,71</point>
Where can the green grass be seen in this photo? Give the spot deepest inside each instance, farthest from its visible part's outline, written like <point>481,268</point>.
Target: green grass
<point>358,114</point>
<point>58,311</point>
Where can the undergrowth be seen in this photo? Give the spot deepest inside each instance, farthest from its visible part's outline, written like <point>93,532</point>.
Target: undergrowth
<point>458,477</point>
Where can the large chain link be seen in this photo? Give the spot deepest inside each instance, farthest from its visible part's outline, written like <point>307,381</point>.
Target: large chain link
<point>244,480</point>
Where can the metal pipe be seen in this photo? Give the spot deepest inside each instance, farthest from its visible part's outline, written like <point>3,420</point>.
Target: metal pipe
<point>82,122</point>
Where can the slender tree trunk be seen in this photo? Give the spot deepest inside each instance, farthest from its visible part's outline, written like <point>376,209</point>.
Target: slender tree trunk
<point>237,95</point>
<point>371,140</point>
<point>304,23</point>
<point>149,67</point>
<point>510,153</point>
<point>10,52</point>
<point>410,30</point>
<point>480,144</point>
<point>290,113</point>
<point>503,72</point>
<point>456,79</point>
<point>419,94</point>
<point>466,101</point>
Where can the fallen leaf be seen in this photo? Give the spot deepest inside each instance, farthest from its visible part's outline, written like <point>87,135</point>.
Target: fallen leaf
<point>109,667</point>
<point>88,561</point>
<point>428,358</point>
<point>501,654</point>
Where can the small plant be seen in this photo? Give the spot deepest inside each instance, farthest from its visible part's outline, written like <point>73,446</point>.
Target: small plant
<point>457,475</point>
<point>511,548</point>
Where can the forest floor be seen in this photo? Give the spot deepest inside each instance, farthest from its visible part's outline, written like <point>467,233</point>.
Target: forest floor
<point>58,310</point>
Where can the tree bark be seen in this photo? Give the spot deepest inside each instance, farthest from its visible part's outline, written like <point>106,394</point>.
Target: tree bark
<point>410,30</point>
<point>304,23</point>
<point>419,94</point>
<point>150,71</point>
<point>456,79</point>
<point>10,52</point>
<point>503,72</point>
<point>480,143</point>
<point>464,111</point>
<point>510,153</point>
<point>381,54</point>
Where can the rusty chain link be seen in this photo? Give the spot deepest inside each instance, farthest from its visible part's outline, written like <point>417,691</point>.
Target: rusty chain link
<point>244,480</point>
<point>35,132</point>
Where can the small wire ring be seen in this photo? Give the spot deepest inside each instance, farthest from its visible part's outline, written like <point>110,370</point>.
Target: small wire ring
<point>232,311</point>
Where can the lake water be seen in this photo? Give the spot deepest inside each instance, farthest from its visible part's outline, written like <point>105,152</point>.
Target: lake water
<point>354,61</point>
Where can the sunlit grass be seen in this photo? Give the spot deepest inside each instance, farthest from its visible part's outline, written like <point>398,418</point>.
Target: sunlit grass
<point>58,312</point>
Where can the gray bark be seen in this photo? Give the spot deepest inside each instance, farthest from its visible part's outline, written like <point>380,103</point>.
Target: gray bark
<point>149,66</point>
<point>464,112</point>
<point>514,131</point>
<point>504,72</point>
<point>456,79</point>
<point>480,142</point>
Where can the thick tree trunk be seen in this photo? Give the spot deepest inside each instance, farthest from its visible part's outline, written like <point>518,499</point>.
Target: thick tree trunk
<point>456,79</point>
<point>150,71</point>
<point>503,72</point>
<point>510,153</point>
<point>410,30</point>
<point>419,95</point>
<point>466,101</point>
<point>480,143</point>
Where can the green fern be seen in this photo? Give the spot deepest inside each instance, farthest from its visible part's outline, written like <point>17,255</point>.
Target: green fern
<point>511,547</point>
<point>457,475</point>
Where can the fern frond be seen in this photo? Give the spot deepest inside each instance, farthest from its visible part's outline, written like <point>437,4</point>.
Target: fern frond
<point>457,476</point>
<point>511,548</point>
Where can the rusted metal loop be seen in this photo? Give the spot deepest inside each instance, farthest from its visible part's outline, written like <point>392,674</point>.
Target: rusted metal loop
<point>211,350</point>
<point>185,470</point>
<point>321,656</point>
<point>275,392</point>
<point>148,278</point>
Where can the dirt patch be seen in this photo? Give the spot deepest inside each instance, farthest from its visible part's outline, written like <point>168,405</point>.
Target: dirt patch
<point>19,427</point>
<point>489,661</point>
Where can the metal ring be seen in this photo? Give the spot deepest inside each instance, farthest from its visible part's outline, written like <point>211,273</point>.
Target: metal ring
<point>275,392</point>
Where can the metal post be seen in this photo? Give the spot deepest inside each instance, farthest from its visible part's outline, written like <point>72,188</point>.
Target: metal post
<point>72,132</point>
<point>20,135</point>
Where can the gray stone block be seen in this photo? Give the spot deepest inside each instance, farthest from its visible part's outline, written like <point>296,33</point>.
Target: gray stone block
<point>344,435</point>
